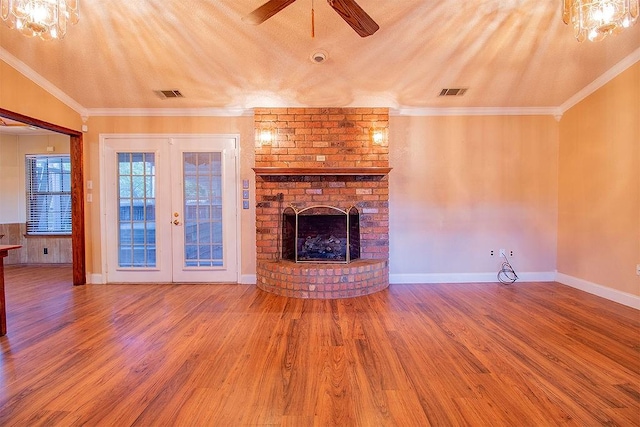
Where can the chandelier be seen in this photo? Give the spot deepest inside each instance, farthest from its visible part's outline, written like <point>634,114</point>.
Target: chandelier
<point>47,19</point>
<point>596,19</point>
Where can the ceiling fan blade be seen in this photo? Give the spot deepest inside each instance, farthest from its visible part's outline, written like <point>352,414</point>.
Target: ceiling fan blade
<point>355,16</point>
<point>266,11</point>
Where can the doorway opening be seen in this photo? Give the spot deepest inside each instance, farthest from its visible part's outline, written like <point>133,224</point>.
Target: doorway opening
<point>77,189</point>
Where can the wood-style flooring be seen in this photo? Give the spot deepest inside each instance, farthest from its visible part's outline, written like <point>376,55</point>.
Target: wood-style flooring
<point>527,354</point>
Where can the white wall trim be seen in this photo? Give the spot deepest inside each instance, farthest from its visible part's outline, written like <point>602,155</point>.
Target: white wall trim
<point>99,279</point>
<point>600,290</point>
<point>601,81</point>
<point>400,111</point>
<point>45,84</point>
<point>95,279</point>
<point>549,276</point>
<point>169,112</point>
<point>432,278</point>
<point>248,279</point>
<point>398,279</point>
<point>476,111</point>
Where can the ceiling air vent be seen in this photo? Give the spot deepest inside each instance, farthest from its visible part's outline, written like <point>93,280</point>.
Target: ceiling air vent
<point>164,94</point>
<point>453,91</point>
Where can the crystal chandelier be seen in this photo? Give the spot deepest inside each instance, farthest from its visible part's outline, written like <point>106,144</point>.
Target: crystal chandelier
<point>47,19</point>
<point>596,19</point>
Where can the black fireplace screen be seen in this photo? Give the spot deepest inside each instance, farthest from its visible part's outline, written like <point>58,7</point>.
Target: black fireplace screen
<point>321,234</point>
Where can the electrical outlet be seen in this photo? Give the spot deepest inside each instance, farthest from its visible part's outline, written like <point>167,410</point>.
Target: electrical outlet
<point>502,253</point>
<point>510,253</point>
<point>45,251</point>
<point>492,253</point>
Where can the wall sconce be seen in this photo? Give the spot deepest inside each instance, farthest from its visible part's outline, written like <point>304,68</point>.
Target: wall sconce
<point>378,135</point>
<point>266,135</point>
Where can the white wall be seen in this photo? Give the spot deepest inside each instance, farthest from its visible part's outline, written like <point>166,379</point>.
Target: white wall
<point>462,186</point>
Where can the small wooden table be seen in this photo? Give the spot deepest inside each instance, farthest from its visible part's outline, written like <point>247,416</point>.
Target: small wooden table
<point>4,251</point>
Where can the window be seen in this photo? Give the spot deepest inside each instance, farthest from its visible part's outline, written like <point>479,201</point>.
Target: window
<point>48,182</point>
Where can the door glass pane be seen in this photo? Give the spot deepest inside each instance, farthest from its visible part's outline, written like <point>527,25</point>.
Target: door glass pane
<point>202,209</point>
<point>136,210</point>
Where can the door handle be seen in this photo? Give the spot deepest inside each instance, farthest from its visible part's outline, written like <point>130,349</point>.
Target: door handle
<point>176,222</point>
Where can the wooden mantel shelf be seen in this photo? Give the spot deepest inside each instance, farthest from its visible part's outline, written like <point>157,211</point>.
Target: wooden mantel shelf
<point>370,171</point>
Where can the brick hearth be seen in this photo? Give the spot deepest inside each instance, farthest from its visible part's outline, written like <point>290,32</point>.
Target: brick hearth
<point>323,281</point>
<point>323,156</point>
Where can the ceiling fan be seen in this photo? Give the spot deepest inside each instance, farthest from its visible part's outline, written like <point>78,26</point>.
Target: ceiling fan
<point>349,10</point>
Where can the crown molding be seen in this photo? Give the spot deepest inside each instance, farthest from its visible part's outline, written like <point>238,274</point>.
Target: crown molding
<point>170,112</point>
<point>476,111</point>
<point>401,111</point>
<point>601,81</point>
<point>45,84</point>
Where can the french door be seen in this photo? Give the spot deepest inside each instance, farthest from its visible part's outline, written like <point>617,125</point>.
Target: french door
<point>170,209</point>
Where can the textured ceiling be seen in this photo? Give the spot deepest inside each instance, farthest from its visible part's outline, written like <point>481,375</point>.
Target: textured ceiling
<point>509,53</point>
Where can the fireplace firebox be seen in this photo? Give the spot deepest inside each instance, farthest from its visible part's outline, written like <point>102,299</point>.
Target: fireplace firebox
<point>321,234</point>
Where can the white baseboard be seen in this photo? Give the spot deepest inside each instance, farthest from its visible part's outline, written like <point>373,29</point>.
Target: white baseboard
<point>95,279</point>
<point>399,279</point>
<point>98,279</point>
<point>620,297</point>
<point>426,278</point>
<point>584,285</point>
<point>248,279</point>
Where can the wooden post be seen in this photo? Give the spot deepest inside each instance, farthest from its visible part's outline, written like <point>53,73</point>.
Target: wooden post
<point>4,251</point>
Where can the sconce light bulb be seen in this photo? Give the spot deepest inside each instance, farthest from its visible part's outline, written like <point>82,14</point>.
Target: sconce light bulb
<point>266,136</point>
<point>377,136</point>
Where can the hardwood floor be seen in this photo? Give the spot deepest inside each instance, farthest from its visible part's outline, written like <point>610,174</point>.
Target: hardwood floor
<point>529,354</point>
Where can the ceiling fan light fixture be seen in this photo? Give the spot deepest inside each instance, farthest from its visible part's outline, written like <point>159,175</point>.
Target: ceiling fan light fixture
<point>47,19</point>
<point>594,20</point>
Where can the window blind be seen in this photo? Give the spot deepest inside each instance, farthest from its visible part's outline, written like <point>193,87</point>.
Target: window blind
<point>48,185</point>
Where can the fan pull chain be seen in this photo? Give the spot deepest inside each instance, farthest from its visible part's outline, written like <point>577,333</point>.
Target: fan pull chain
<point>313,23</point>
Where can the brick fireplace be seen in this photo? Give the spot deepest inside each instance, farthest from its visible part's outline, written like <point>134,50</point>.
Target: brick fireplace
<point>322,157</point>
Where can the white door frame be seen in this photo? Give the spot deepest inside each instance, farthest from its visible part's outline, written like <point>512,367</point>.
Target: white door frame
<point>103,196</point>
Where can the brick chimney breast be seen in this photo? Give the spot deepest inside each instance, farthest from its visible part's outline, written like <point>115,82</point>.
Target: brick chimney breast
<point>325,157</point>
